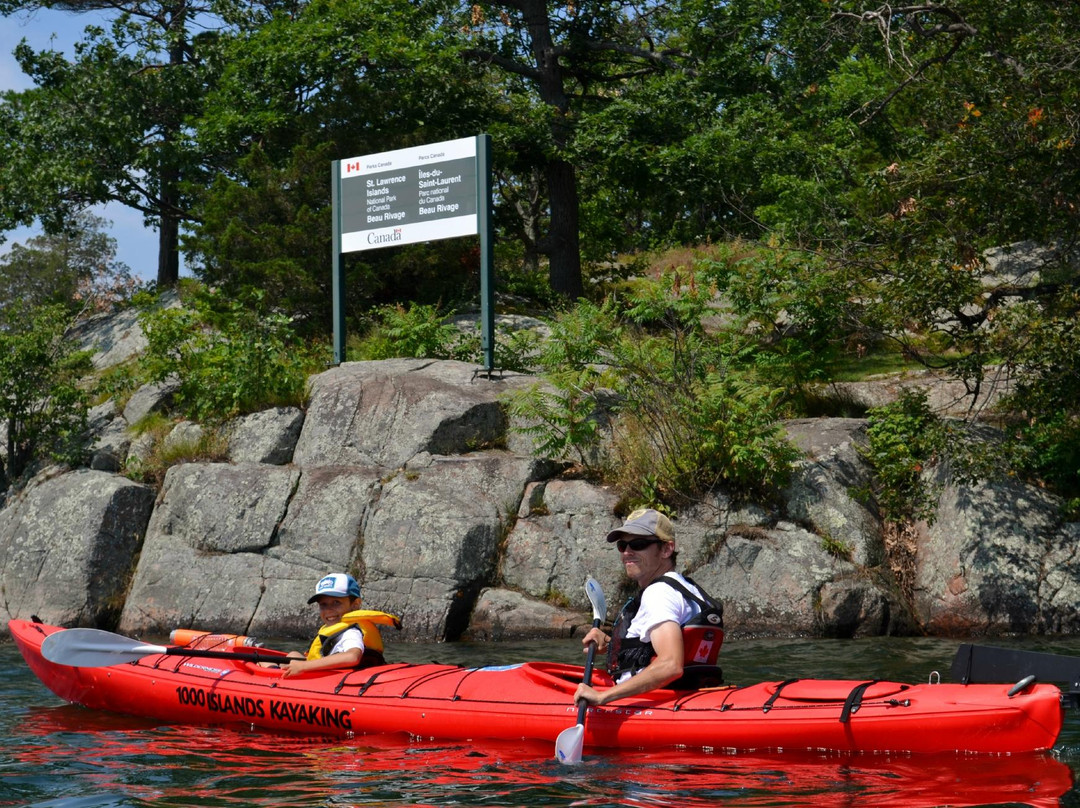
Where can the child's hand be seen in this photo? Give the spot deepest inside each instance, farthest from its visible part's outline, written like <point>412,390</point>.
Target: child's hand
<point>293,667</point>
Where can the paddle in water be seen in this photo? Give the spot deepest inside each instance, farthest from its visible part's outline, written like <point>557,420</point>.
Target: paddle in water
<point>94,648</point>
<point>571,740</point>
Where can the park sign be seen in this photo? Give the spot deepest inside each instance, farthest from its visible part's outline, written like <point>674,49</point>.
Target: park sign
<point>407,196</point>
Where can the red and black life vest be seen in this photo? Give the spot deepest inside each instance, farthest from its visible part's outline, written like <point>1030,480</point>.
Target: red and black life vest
<point>703,634</point>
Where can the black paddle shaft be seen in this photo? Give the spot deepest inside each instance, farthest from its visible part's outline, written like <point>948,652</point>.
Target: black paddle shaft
<point>588,678</point>
<point>247,656</point>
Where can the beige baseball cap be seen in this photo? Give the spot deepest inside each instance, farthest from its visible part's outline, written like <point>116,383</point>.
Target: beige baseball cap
<point>645,522</point>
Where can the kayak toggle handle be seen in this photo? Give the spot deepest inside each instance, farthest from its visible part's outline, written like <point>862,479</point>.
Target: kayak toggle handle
<point>1023,683</point>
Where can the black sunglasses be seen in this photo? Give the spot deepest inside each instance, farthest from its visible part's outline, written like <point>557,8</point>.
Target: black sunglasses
<point>637,545</point>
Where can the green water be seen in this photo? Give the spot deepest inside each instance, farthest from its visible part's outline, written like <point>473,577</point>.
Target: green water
<point>57,755</point>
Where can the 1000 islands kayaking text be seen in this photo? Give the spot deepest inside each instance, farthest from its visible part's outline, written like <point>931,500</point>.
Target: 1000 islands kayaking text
<point>251,707</point>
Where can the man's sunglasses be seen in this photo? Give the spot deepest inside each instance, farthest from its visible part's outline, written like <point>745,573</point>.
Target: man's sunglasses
<point>637,545</point>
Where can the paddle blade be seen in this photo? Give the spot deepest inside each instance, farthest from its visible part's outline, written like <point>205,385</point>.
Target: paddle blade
<point>569,744</point>
<point>93,648</point>
<point>596,598</point>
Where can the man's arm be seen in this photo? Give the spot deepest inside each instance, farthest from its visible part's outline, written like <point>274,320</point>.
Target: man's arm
<point>666,667</point>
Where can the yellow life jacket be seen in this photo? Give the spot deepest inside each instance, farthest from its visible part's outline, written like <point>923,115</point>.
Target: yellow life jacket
<point>366,620</point>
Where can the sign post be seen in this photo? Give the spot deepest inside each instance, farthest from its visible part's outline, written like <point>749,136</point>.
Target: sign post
<point>424,193</point>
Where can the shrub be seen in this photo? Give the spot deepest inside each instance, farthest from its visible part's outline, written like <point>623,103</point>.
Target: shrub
<point>418,331</point>
<point>41,403</point>
<point>228,359</point>
<point>688,415</point>
<point>210,447</point>
<point>904,437</point>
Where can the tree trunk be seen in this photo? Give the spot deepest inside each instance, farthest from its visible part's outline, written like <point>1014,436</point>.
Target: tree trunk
<point>168,270</point>
<point>564,267</point>
<point>564,253</point>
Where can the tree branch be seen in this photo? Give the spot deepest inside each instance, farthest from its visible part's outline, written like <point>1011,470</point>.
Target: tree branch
<point>942,59</point>
<point>509,65</point>
<point>663,58</point>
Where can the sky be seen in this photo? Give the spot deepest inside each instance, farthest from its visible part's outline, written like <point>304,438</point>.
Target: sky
<point>136,244</point>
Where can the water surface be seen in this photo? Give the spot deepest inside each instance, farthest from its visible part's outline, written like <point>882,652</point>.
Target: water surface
<point>62,756</point>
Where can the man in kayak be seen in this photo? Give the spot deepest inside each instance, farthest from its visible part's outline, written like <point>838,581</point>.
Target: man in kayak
<point>337,645</point>
<point>649,643</point>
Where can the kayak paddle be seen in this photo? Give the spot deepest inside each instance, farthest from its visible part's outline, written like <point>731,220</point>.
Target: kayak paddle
<point>569,744</point>
<point>93,648</point>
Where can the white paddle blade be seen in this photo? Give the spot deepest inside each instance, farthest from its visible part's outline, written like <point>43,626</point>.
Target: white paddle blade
<point>596,598</point>
<point>569,744</point>
<point>93,648</point>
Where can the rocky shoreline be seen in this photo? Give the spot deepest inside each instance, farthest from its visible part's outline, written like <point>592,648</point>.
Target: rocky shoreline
<point>408,474</point>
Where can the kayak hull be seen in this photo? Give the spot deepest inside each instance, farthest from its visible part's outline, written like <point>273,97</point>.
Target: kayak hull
<point>534,700</point>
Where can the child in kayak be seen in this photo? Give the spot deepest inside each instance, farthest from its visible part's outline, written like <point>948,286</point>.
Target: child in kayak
<point>338,644</point>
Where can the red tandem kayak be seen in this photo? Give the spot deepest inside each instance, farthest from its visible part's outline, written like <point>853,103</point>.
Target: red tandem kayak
<point>533,700</point>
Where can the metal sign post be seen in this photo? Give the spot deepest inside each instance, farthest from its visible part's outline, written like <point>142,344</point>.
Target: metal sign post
<point>487,251</point>
<point>424,193</point>
<point>338,266</point>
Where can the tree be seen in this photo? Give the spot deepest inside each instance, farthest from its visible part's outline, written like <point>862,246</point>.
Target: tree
<point>41,403</point>
<point>974,204</point>
<point>937,181</point>
<point>76,269</point>
<point>108,125</point>
<point>574,59</point>
<point>304,85</point>
<point>691,155</point>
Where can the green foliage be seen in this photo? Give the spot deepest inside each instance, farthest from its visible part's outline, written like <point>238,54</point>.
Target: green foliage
<point>227,359</point>
<point>267,228</point>
<point>422,331</point>
<point>1040,339</point>
<point>869,156</point>
<point>685,415</point>
<point>415,331</point>
<point>41,403</point>
<point>520,285</point>
<point>108,125</point>
<point>303,86</point>
<point>515,351</point>
<point>560,417</point>
<point>118,383</point>
<point>563,415</point>
<point>699,412</point>
<point>787,314</point>
<point>836,548</point>
<point>905,438</point>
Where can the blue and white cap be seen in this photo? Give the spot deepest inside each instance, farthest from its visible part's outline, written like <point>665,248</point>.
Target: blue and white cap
<point>338,585</point>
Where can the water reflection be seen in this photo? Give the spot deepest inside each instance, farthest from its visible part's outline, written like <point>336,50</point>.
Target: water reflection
<point>75,758</point>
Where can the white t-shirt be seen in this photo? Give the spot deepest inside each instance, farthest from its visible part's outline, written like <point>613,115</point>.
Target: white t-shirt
<point>351,638</point>
<point>662,603</point>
